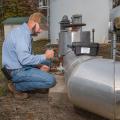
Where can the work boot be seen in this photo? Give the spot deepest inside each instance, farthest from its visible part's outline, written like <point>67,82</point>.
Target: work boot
<point>16,94</point>
<point>41,91</point>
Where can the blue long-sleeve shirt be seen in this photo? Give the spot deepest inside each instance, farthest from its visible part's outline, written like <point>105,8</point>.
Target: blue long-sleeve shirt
<point>16,49</point>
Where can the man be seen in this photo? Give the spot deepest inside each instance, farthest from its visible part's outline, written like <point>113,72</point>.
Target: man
<point>22,65</point>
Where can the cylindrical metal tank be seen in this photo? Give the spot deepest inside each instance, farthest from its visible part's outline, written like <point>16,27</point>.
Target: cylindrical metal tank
<point>71,61</point>
<point>91,84</point>
<point>68,37</point>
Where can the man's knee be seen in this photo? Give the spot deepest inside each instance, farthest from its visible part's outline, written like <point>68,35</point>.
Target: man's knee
<point>52,80</point>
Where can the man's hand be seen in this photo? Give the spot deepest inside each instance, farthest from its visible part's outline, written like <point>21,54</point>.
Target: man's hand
<point>49,54</point>
<point>44,68</point>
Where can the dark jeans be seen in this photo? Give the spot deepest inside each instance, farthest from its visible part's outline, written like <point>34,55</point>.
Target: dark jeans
<point>31,78</point>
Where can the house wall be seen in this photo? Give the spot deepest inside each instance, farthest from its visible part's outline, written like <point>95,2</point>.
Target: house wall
<point>95,15</point>
<point>8,28</point>
<point>42,35</point>
<point>115,12</point>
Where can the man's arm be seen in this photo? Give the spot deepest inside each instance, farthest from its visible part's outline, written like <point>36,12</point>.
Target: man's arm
<point>26,58</point>
<point>24,54</point>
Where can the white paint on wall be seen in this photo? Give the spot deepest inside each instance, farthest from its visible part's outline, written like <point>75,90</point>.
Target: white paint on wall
<point>8,28</point>
<point>110,4</point>
<point>95,15</point>
<point>115,13</point>
<point>42,35</point>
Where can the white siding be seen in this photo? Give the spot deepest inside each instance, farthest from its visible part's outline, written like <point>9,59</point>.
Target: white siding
<point>115,12</point>
<point>8,28</point>
<point>42,35</point>
<point>95,15</point>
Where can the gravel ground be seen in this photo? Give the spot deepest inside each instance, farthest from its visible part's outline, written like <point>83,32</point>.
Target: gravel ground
<point>52,106</point>
<point>56,106</point>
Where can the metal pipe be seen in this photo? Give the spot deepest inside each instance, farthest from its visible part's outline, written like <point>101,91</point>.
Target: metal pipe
<point>93,31</point>
<point>114,46</point>
<point>92,82</point>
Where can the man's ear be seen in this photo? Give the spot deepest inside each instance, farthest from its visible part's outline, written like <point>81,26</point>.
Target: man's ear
<point>33,31</point>
<point>33,28</point>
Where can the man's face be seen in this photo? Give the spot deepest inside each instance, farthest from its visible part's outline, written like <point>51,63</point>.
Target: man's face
<point>36,29</point>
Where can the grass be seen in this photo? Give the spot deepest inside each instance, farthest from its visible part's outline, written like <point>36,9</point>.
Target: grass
<point>1,75</point>
<point>3,87</point>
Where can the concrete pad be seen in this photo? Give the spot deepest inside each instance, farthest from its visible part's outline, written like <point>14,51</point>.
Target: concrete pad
<point>60,86</point>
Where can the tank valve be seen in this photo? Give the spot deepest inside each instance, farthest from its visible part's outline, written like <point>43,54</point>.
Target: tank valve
<point>60,68</point>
